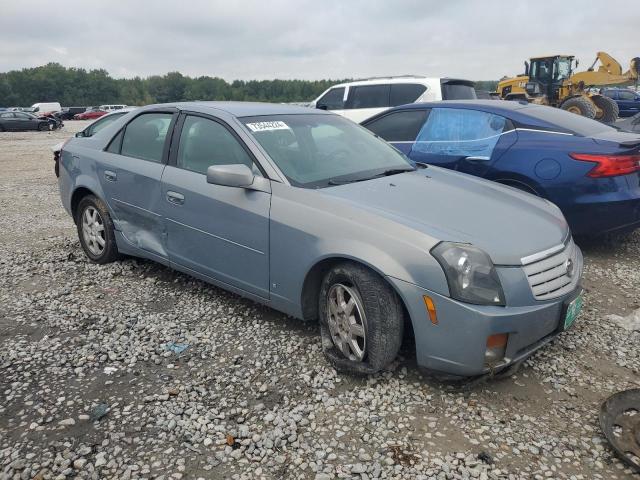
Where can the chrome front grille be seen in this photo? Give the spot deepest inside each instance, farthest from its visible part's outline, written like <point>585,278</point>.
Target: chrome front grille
<point>556,273</point>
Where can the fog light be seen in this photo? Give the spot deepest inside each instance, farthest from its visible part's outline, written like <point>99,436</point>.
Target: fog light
<point>496,348</point>
<point>431,308</point>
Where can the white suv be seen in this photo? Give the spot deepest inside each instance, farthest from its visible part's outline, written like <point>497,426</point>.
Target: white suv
<point>365,98</point>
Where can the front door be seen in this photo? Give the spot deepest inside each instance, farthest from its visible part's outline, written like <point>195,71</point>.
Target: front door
<point>221,232</point>
<point>130,172</point>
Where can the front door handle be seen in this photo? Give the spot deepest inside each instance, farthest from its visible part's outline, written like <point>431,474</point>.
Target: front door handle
<point>175,198</point>
<point>478,159</point>
<point>110,176</point>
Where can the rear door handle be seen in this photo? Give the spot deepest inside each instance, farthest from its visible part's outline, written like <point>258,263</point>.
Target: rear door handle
<point>175,198</point>
<point>110,176</point>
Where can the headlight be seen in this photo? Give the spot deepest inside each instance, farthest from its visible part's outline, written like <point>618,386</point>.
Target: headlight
<point>470,273</point>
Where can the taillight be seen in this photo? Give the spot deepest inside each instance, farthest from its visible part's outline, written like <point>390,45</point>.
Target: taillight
<point>609,165</point>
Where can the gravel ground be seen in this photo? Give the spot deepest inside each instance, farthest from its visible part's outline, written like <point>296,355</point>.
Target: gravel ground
<point>93,383</point>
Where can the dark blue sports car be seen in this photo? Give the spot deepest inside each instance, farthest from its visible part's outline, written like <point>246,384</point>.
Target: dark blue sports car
<point>588,169</point>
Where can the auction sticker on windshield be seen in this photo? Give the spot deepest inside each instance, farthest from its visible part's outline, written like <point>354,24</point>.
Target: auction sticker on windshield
<point>267,126</point>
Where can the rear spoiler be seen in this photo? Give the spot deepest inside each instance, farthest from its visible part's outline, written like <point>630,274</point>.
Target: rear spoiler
<point>458,81</point>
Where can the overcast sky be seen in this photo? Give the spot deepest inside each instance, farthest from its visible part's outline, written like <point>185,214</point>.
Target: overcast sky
<point>312,39</point>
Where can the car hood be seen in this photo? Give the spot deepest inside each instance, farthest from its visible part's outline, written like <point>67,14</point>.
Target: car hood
<point>506,223</point>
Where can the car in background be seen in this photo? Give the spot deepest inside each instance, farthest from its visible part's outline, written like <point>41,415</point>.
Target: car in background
<point>22,121</point>
<point>629,124</point>
<point>588,169</point>
<point>67,113</point>
<point>90,131</point>
<point>362,99</point>
<point>628,101</point>
<point>90,114</point>
<point>307,212</point>
<point>46,108</point>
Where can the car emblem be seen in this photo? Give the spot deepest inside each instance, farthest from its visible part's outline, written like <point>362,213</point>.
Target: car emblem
<point>569,265</point>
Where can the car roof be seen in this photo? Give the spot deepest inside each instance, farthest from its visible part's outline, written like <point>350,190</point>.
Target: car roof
<point>245,109</point>
<point>505,105</point>
<point>395,79</point>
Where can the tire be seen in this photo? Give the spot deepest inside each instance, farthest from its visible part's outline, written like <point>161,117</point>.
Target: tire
<point>580,105</point>
<point>374,306</point>
<point>43,127</point>
<point>95,230</point>
<point>609,107</point>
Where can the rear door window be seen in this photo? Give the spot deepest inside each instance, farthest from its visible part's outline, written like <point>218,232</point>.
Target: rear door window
<point>460,133</point>
<point>400,126</point>
<point>403,93</point>
<point>369,96</point>
<point>332,100</point>
<point>144,137</point>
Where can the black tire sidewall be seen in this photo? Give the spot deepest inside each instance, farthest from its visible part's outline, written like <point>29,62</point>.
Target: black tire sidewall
<point>384,318</point>
<point>43,127</point>
<point>610,109</point>
<point>110,252</point>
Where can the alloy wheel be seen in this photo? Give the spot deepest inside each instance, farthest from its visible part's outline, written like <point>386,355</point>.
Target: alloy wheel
<point>347,321</point>
<point>93,231</point>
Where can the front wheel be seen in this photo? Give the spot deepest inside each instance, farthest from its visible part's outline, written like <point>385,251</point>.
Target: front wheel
<point>43,127</point>
<point>361,319</point>
<point>95,230</point>
<point>609,109</point>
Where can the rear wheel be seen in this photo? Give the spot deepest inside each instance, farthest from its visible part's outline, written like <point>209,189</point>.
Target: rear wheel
<point>95,230</point>
<point>609,109</point>
<point>361,319</point>
<point>580,106</point>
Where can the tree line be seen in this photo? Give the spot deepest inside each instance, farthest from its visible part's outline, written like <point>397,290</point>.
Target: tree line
<point>79,87</point>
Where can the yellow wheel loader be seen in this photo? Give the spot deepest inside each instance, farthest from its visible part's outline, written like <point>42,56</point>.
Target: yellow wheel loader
<point>552,81</point>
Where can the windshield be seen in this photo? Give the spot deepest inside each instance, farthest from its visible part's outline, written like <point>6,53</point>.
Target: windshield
<point>563,68</point>
<point>572,122</point>
<point>316,151</point>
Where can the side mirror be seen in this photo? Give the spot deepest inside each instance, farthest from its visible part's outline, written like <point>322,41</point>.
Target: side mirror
<point>321,107</point>
<point>230,175</point>
<point>80,134</point>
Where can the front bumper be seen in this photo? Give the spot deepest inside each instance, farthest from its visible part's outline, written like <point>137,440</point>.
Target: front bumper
<point>457,344</point>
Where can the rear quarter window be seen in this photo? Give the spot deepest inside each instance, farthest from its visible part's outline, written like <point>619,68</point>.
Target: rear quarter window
<point>403,93</point>
<point>458,90</point>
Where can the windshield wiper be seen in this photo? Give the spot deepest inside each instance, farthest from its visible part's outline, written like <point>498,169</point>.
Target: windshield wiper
<point>386,173</point>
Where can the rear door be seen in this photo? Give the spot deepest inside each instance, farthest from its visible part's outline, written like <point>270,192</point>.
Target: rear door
<point>365,101</point>
<point>130,172</point>
<point>466,140</point>
<point>215,230</point>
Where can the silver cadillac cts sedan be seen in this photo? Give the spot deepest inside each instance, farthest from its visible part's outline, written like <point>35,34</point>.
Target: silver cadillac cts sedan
<point>309,213</point>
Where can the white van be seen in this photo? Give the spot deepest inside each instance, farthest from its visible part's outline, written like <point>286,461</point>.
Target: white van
<point>45,107</point>
<point>365,98</point>
<point>111,108</point>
